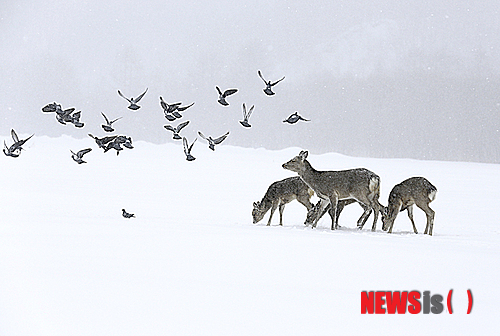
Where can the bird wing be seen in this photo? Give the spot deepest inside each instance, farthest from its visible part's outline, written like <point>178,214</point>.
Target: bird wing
<point>77,115</point>
<point>163,104</point>
<point>260,75</point>
<point>182,125</point>
<point>244,112</point>
<point>49,108</point>
<point>106,118</point>
<point>14,135</point>
<point>170,128</point>
<point>112,121</point>
<point>191,147</point>
<point>83,152</point>
<point>185,145</point>
<point>221,138</point>
<point>279,80</point>
<point>218,90</point>
<point>140,97</point>
<point>182,108</point>
<point>229,92</point>
<point>250,112</point>
<point>121,95</point>
<point>202,136</point>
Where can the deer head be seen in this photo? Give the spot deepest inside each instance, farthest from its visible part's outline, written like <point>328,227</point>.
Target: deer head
<point>297,163</point>
<point>257,212</point>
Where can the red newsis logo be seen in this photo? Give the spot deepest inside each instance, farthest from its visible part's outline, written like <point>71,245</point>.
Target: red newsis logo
<point>396,302</point>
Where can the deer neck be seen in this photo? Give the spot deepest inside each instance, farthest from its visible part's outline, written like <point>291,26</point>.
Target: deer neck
<point>308,173</point>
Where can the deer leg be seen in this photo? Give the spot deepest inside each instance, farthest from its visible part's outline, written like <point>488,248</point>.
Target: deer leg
<point>340,207</point>
<point>323,209</point>
<point>333,210</point>
<point>376,209</point>
<point>281,209</point>
<point>273,208</point>
<point>364,216</point>
<point>430,218</point>
<point>410,215</point>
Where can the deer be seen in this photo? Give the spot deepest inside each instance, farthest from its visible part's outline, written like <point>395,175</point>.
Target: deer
<point>279,194</point>
<point>413,191</point>
<point>359,184</point>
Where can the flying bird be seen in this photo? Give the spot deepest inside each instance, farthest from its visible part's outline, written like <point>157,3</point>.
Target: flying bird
<point>213,142</point>
<point>102,142</point>
<point>177,129</point>
<point>64,116</point>
<point>246,116</point>
<point>117,143</point>
<point>133,101</point>
<point>51,107</point>
<point>223,95</point>
<point>127,215</point>
<point>108,127</point>
<point>75,119</point>
<point>78,157</point>
<point>180,109</point>
<point>168,108</point>
<point>171,111</point>
<point>293,118</point>
<point>187,149</point>
<point>16,148</point>
<point>269,84</point>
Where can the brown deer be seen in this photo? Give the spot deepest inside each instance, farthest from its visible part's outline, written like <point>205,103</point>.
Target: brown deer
<point>415,190</point>
<point>279,194</point>
<point>359,184</point>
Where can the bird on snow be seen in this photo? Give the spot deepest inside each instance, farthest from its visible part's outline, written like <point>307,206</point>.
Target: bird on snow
<point>177,129</point>
<point>126,214</point>
<point>108,127</point>
<point>78,157</point>
<point>246,116</point>
<point>293,118</point>
<point>133,101</point>
<point>187,149</point>
<point>213,142</point>
<point>223,95</point>
<point>16,148</point>
<point>269,84</point>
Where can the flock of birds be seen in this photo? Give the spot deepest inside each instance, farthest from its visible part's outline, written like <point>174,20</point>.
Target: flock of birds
<point>171,112</point>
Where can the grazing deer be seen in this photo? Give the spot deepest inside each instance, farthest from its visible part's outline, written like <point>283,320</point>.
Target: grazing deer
<point>415,190</point>
<point>279,194</point>
<point>359,184</point>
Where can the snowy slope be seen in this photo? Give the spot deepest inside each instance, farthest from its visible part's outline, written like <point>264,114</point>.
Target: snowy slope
<point>192,262</point>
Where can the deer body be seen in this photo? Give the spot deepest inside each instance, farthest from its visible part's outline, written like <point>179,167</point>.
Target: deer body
<point>359,184</point>
<point>279,194</point>
<point>413,191</point>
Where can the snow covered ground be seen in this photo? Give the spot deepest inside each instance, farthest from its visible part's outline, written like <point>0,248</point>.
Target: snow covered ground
<point>192,262</point>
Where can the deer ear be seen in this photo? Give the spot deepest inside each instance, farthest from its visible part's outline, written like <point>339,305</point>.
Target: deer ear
<point>303,155</point>
<point>255,204</point>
